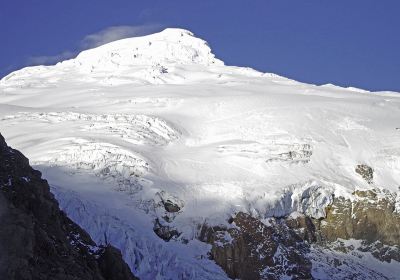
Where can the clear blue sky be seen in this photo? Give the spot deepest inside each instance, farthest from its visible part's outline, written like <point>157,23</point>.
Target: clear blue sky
<point>344,42</point>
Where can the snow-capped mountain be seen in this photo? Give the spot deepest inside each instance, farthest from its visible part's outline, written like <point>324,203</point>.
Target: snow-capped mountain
<point>151,142</point>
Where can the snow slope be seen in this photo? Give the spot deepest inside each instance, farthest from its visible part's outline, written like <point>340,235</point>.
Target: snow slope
<point>126,123</point>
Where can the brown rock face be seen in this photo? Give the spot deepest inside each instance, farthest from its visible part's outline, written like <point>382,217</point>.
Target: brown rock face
<point>253,250</point>
<point>250,249</point>
<point>371,217</point>
<point>37,240</point>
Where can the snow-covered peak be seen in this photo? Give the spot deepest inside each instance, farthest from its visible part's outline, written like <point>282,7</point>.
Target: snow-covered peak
<point>167,57</point>
<point>170,46</point>
<point>132,126</point>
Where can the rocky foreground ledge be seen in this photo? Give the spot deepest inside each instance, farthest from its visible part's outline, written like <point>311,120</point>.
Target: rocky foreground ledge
<point>37,240</point>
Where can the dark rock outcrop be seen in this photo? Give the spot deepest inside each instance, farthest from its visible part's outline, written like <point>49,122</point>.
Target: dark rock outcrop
<point>111,265</point>
<point>366,172</point>
<point>171,207</point>
<point>251,249</point>
<point>37,240</point>
<point>370,216</point>
<point>165,232</point>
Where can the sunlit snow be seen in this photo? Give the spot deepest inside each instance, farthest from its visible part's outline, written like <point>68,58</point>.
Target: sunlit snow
<point>127,121</point>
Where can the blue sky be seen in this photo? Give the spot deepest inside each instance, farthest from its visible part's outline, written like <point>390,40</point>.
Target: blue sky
<point>344,42</point>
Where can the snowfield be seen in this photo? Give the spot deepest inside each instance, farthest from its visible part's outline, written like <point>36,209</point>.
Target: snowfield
<point>137,121</point>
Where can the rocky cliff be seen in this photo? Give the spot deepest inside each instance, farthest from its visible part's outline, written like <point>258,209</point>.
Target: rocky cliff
<point>37,240</point>
<point>290,246</point>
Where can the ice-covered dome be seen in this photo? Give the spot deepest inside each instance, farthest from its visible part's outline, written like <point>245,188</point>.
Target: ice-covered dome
<point>171,46</point>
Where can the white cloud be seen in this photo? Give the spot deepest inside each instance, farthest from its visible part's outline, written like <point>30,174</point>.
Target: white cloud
<point>102,37</point>
<point>114,33</point>
<point>50,59</point>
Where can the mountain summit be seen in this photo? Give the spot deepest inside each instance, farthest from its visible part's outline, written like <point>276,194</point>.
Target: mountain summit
<point>148,59</point>
<point>171,46</point>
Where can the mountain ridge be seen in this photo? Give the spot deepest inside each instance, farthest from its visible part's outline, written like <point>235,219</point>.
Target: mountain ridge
<point>158,53</point>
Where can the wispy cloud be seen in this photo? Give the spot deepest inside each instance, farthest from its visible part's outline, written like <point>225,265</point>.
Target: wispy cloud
<point>114,33</point>
<point>102,37</point>
<point>51,59</point>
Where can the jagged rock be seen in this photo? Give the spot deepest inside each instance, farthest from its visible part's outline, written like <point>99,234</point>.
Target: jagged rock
<point>366,172</point>
<point>164,232</point>
<point>170,203</point>
<point>381,251</point>
<point>166,208</point>
<point>371,217</point>
<point>112,266</point>
<point>171,207</point>
<point>37,240</point>
<point>304,227</point>
<point>252,250</point>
